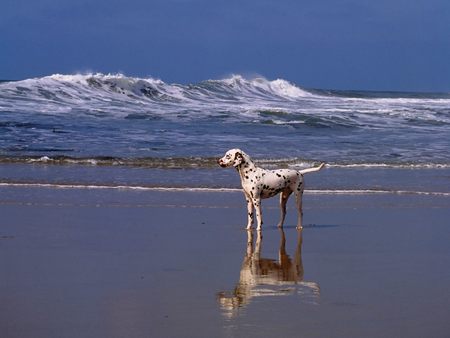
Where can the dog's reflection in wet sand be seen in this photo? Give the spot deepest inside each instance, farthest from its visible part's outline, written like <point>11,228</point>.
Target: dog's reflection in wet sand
<point>260,277</point>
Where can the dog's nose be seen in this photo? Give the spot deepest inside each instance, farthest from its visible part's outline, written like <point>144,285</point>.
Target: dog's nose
<point>220,162</point>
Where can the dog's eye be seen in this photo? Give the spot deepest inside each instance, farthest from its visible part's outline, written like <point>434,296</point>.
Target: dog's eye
<point>228,156</point>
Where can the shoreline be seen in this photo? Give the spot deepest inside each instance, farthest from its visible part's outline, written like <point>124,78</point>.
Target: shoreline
<point>431,181</point>
<point>199,162</point>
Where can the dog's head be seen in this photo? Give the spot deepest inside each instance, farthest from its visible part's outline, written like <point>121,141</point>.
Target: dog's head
<point>232,157</point>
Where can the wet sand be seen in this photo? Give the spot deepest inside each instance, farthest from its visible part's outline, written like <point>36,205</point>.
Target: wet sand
<point>121,263</point>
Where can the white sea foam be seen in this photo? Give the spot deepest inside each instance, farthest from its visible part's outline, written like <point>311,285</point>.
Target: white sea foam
<point>287,89</point>
<point>43,159</point>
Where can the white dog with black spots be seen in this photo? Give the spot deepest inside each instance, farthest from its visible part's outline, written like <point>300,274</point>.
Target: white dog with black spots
<point>259,183</point>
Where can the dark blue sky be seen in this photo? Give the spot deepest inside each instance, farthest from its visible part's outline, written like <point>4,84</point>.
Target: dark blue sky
<point>339,44</point>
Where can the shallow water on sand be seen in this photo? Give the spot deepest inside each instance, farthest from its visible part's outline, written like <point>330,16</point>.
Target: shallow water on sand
<point>114,263</point>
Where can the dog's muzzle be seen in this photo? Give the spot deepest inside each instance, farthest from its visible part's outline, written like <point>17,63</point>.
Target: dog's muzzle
<point>220,162</point>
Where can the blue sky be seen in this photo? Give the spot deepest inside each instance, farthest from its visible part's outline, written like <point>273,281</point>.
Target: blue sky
<point>342,44</point>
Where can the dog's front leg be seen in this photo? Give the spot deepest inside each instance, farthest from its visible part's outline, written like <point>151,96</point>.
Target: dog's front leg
<point>257,206</point>
<point>250,214</point>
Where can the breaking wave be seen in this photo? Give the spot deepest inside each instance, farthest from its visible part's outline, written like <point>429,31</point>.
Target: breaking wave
<point>256,100</point>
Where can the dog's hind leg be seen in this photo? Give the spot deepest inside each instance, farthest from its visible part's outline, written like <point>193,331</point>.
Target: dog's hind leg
<point>284,196</point>
<point>298,199</point>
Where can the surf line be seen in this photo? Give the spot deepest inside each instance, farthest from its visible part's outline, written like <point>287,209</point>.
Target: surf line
<point>113,187</point>
<point>203,189</point>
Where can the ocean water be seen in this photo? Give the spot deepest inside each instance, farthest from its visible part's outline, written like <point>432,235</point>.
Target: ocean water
<point>117,130</point>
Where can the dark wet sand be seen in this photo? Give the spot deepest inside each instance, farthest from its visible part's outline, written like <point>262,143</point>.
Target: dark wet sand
<point>120,263</point>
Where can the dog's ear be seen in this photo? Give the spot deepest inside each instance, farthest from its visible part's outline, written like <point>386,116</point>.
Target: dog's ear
<point>238,158</point>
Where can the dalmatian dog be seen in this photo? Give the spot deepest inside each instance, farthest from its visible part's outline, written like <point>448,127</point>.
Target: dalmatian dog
<point>259,183</point>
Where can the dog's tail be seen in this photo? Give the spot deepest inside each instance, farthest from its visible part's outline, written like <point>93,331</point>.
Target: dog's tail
<point>311,170</point>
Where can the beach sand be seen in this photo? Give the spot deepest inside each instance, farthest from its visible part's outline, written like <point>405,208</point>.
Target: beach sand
<point>124,263</point>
